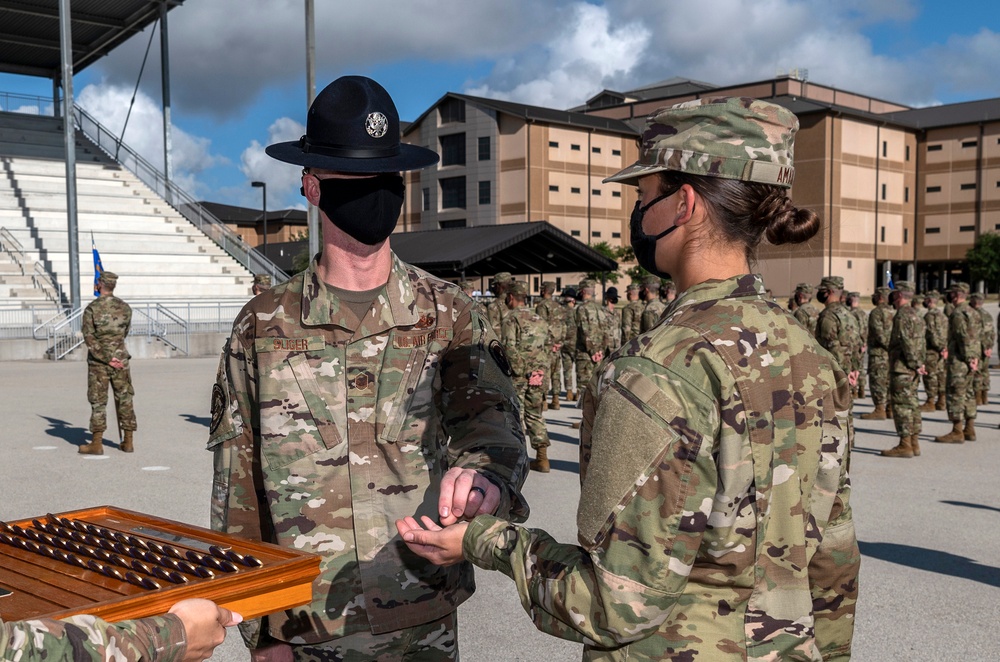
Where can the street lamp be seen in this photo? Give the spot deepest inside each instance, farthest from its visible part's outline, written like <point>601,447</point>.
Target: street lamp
<point>263,187</point>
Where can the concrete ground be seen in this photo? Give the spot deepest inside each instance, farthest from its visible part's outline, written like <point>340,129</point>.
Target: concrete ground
<point>929,527</point>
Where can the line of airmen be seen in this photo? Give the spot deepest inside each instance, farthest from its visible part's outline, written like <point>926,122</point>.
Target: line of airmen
<point>565,339</point>
<point>949,348</point>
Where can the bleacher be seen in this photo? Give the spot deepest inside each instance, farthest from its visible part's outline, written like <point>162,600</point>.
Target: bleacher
<point>156,252</point>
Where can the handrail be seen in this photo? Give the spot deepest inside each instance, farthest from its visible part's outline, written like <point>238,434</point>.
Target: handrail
<point>16,252</point>
<point>42,280</point>
<point>186,205</point>
<point>66,336</point>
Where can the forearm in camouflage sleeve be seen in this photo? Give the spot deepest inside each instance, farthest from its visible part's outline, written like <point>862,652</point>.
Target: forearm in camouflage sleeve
<point>99,352</point>
<point>90,639</point>
<point>510,342</point>
<point>480,412</point>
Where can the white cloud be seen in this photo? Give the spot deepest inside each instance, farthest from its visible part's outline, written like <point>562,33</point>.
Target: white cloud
<point>283,179</point>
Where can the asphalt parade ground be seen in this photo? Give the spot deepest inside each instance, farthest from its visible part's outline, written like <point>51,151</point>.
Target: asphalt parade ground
<point>929,527</point>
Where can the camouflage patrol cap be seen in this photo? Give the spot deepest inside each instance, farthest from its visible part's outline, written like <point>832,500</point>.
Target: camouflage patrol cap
<point>518,288</point>
<point>933,294</point>
<point>503,277</point>
<point>959,287</point>
<point>586,284</point>
<point>548,286</point>
<point>263,280</point>
<point>832,283</point>
<point>854,295</point>
<point>651,281</point>
<point>108,278</point>
<point>730,137</point>
<point>883,291</point>
<point>668,286</point>
<point>906,287</point>
<point>805,288</point>
<point>976,296</point>
<point>634,286</point>
<point>466,285</point>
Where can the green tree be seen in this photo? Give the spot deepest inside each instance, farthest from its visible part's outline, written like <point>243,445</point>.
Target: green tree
<point>604,248</point>
<point>984,260</point>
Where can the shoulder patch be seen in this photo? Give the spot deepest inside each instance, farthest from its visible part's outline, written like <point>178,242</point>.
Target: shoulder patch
<point>499,355</point>
<point>218,406</point>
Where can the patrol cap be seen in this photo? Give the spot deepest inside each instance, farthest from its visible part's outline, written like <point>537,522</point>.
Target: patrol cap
<point>805,288</point>
<point>976,296</point>
<point>518,288</point>
<point>832,283</point>
<point>108,278</point>
<point>586,284</point>
<point>262,279</point>
<point>503,277</point>
<point>548,286</point>
<point>959,287</point>
<point>466,285</point>
<point>883,292</point>
<point>854,295</point>
<point>933,294</point>
<point>668,286</point>
<point>634,286</point>
<point>906,287</point>
<point>730,137</point>
<point>651,281</point>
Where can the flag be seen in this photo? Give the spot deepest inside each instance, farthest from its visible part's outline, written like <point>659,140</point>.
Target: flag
<point>98,267</point>
<point>888,279</point>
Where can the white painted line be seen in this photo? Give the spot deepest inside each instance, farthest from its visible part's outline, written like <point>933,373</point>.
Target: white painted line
<point>156,468</point>
<point>44,448</point>
<point>95,457</point>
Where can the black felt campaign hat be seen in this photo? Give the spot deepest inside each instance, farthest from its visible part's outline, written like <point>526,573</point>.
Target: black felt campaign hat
<point>353,126</point>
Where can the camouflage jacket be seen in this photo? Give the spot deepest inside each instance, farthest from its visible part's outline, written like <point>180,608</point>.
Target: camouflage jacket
<point>837,332</point>
<point>880,327</point>
<point>589,327</point>
<point>496,310</point>
<point>527,340</point>
<point>862,319</point>
<point>106,322</point>
<point>989,331</point>
<point>569,323</point>
<point>651,315</point>
<point>326,429</point>
<point>611,325</point>
<point>555,317</point>
<point>907,345</point>
<point>965,334</point>
<point>937,330</point>
<point>90,639</point>
<point>714,516</point>
<point>807,315</point>
<point>632,320</point>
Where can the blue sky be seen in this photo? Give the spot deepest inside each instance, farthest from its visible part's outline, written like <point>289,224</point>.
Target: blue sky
<point>238,66</point>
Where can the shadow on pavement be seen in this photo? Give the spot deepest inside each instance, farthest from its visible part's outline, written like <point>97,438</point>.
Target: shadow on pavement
<point>75,436</point>
<point>564,438</point>
<point>203,421</point>
<point>932,560</point>
<point>966,504</point>
<point>565,465</point>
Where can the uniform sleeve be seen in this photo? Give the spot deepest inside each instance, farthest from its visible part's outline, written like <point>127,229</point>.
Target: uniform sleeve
<point>511,343</point>
<point>238,503</point>
<point>98,351</point>
<point>877,332</point>
<point>639,522</point>
<point>914,345</point>
<point>480,411</point>
<point>89,639</point>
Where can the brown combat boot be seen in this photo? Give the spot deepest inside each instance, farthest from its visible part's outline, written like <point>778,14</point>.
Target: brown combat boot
<point>877,415</point>
<point>861,389</point>
<point>902,449</point>
<point>545,406</point>
<point>127,442</point>
<point>576,425</point>
<point>888,410</point>
<point>970,429</point>
<point>956,436</point>
<point>942,403</point>
<point>95,447</point>
<point>554,405</point>
<point>541,461</point>
<point>986,397</point>
<point>915,445</point>
<point>570,395</point>
<point>928,406</point>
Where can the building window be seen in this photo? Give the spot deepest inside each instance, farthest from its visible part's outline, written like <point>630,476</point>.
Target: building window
<point>932,230</point>
<point>446,225</point>
<point>574,233</point>
<point>967,228</point>
<point>485,193</point>
<point>933,189</point>
<point>427,199</point>
<point>968,187</point>
<point>906,194</point>
<point>576,189</point>
<point>935,148</point>
<point>553,143</point>
<point>618,152</point>
<point>559,283</point>
<point>484,148</point>
<point>883,234</point>
<point>616,235</point>
<point>553,188</point>
<point>907,152</point>
<point>453,149</point>
<point>452,110</point>
<point>596,191</point>
<point>885,148</point>
<point>452,192</point>
<point>969,143</point>
<point>883,191</point>
<point>596,234</point>
<point>906,235</point>
<point>616,194</point>
<point>575,148</point>
<point>595,150</point>
<point>850,264</point>
<point>536,284</point>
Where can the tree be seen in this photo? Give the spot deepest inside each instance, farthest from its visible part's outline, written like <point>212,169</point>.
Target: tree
<point>617,254</point>
<point>984,260</point>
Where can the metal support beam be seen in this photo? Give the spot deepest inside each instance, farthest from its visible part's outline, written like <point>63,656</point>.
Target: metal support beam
<point>66,38</point>
<point>312,216</point>
<point>165,78</point>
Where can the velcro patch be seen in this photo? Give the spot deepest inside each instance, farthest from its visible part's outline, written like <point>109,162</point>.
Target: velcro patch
<point>410,340</point>
<point>310,344</point>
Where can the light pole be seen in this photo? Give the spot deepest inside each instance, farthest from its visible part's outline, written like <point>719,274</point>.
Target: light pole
<point>263,187</point>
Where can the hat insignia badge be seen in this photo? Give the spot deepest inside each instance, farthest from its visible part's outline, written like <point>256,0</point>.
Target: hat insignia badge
<point>376,125</point>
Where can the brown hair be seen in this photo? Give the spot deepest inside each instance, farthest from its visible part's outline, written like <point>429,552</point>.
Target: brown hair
<point>745,212</point>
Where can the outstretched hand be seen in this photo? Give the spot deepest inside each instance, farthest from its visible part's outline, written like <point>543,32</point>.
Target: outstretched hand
<point>466,493</point>
<point>205,626</point>
<point>440,546</point>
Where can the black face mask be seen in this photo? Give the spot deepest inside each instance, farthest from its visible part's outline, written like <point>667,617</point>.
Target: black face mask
<point>644,244</point>
<point>366,209</point>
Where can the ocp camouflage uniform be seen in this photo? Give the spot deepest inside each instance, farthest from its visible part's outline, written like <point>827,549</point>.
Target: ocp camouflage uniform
<point>808,316</point>
<point>589,339</point>
<point>567,353</point>
<point>982,379</point>
<point>529,346</point>
<point>862,319</point>
<point>906,354</point>
<point>879,333</point>
<point>106,322</point>
<point>87,638</point>
<point>722,533</point>
<point>611,326</point>
<point>651,314</point>
<point>632,319</point>
<point>964,344</point>
<point>554,316</point>
<point>936,338</point>
<point>496,310</point>
<point>837,332</point>
<point>326,428</point>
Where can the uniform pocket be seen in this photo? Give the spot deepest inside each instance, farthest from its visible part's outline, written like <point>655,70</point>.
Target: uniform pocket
<point>395,403</point>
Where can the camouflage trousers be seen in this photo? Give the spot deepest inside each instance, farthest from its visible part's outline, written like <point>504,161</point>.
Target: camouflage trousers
<point>531,398</point>
<point>99,377</point>
<point>961,391</point>
<point>905,402</point>
<point>584,369</point>
<point>982,379</point>
<point>862,375</point>
<point>937,375</point>
<point>878,375</point>
<point>552,376</point>
<point>569,376</point>
<point>436,641</point>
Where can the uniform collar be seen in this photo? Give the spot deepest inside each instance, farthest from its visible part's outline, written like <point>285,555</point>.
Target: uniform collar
<point>737,287</point>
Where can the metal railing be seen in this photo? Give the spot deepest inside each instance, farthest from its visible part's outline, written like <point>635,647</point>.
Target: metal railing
<point>42,280</point>
<point>13,248</point>
<point>187,206</point>
<point>26,104</point>
<point>64,336</point>
<point>158,323</point>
